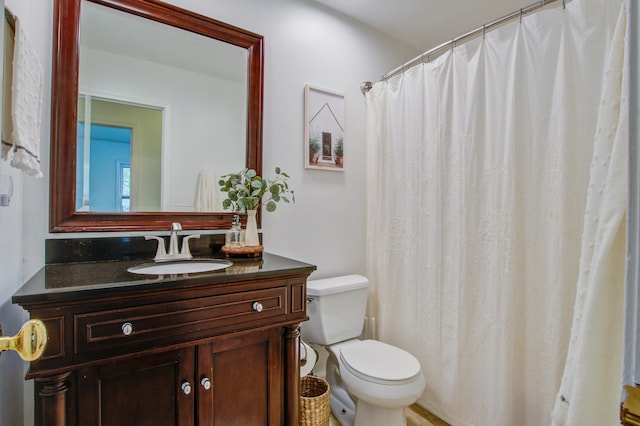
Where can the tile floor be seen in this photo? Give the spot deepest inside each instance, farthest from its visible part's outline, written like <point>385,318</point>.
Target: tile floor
<point>416,416</point>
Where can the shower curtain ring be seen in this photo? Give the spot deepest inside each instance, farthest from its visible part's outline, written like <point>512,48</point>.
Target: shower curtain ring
<point>365,87</point>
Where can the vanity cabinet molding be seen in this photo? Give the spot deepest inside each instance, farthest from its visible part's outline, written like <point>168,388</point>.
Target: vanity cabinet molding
<point>189,352</point>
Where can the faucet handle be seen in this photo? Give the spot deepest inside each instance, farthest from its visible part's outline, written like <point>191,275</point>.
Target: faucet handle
<point>161,251</point>
<point>185,245</point>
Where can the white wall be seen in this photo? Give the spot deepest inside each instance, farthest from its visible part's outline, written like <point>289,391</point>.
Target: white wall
<point>23,225</point>
<point>11,316</point>
<point>307,44</point>
<point>304,44</point>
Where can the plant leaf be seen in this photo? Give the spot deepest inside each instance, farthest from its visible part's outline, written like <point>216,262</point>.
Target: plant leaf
<point>271,206</point>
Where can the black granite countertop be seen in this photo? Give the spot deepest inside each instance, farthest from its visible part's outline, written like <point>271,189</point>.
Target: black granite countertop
<point>80,280</point>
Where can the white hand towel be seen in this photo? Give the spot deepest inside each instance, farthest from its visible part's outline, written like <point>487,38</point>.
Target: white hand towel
<point>206,194</point>
<point>27,92</point>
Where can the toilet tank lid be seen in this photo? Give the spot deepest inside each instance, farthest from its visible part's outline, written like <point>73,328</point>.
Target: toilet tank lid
<point>339,284</point>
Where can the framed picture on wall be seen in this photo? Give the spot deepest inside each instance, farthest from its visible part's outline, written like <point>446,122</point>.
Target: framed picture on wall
<point>324,129</point>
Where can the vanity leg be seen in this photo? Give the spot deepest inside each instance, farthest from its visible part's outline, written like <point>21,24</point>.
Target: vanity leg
<point>292,374</point>
<point>51,400</point>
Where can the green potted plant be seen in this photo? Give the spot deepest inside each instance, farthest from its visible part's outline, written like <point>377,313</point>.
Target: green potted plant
<point>338,150</point>
<point>314,149</point>
<point>247,192</point>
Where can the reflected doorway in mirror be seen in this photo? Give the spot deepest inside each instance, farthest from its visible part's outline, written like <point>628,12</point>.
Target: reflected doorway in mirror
<point>119,155</point>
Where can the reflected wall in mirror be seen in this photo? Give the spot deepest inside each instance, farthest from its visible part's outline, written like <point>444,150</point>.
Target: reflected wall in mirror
<point>145,120</point>
<point>198,84</point>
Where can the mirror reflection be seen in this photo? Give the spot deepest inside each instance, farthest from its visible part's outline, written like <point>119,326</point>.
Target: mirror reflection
<point>107,155</point>
<point>162,113</point>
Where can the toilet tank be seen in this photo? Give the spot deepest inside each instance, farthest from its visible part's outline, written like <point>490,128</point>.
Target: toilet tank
<point>336,308</point>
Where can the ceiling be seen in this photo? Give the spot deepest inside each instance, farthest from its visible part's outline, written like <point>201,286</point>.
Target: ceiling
<point>424,24</point>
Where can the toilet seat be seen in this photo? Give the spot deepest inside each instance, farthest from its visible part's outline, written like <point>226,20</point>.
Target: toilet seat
<point>378,362</point>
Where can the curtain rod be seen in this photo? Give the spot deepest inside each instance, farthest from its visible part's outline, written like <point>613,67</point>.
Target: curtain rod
<point>367,85</point>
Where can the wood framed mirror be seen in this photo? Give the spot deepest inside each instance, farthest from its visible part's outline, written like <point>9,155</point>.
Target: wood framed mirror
<point>66,211</point>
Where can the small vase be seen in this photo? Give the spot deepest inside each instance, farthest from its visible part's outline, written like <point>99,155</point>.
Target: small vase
<point>251,234</point>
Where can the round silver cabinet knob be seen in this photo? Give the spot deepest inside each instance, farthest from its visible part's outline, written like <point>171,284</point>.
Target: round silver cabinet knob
<point>127,328</point>
<point>186,388</point>
<point>206,383</point>
<point>257,306</point>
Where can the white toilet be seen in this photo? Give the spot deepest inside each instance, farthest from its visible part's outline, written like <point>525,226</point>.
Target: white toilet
<point>371,382</point>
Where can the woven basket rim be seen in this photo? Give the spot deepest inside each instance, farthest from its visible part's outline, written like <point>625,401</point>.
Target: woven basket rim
<point>313,387</point>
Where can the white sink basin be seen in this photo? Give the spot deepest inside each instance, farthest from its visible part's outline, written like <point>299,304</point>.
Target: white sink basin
<point>180,267</point>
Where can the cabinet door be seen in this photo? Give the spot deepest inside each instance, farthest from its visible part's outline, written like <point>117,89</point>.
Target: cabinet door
<point>146,391</point>
<point>246,376</point>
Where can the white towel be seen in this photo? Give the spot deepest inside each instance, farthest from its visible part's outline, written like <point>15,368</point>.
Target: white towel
<point>206,193</point>
<point>26,105</point>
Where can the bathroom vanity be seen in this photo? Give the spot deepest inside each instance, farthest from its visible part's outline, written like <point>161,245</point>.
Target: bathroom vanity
<point>211,348</point>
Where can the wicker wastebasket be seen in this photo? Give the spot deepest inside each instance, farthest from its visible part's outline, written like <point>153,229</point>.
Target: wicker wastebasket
<point>314,402</point>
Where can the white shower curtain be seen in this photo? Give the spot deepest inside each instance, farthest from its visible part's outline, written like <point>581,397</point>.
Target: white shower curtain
<point>478,173</point>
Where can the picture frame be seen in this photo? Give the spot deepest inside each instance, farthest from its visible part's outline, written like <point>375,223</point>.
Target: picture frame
<point>324,129</point>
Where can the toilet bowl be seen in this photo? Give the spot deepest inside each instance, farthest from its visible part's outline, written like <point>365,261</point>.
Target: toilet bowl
<point>371,382</point>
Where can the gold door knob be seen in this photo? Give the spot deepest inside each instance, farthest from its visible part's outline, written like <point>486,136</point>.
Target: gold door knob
<point>30,341</point>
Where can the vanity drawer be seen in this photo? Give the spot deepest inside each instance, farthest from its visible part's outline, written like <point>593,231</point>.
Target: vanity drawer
<point>177,321</point>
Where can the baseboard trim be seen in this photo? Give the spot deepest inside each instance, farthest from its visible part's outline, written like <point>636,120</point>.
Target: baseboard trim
<point>424,413</point>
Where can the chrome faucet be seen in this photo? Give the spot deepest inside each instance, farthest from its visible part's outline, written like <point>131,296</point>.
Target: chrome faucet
<point>174,253</point>
<point>173,239</point>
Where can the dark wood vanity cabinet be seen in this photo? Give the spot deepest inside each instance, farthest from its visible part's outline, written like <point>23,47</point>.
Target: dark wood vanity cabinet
<point>222,351</point>
<point>223,383</point>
